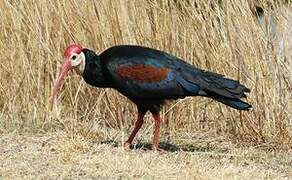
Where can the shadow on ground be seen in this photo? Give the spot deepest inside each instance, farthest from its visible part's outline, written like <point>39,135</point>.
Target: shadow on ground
<point>167,147</point>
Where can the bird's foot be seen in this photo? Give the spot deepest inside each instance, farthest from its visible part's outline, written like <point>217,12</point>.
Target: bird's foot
<point>127,146</point>
<point>157,149</point>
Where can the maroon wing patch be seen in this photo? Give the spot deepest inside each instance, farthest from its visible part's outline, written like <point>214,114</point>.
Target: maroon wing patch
<point>142,73</point>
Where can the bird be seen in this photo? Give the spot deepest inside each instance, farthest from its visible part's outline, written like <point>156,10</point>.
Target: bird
<point>148,77</point>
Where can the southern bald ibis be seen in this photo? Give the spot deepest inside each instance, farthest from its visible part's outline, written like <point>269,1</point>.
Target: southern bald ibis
<point>148,77</point>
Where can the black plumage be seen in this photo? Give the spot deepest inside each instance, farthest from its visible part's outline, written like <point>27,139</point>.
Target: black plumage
<point>148,77</point>
<point>182,79</point>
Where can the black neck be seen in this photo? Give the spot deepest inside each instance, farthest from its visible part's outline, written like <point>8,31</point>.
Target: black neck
<point>94,72</point>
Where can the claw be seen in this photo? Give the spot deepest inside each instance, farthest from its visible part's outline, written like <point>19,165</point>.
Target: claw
<point>157,149</point>
<point>127,146</point>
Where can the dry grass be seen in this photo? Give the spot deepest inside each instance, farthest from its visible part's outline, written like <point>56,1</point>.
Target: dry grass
<point>59,156</point>
<point>221,37</point>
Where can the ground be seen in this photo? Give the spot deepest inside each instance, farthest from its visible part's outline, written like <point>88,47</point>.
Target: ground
<point>60,156</point>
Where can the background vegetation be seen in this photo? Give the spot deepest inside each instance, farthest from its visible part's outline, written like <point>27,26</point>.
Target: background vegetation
<point>219,36</point>
<point>80,136</point>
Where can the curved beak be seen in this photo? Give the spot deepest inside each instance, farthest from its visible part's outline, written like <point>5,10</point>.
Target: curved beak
<point>64,71</point>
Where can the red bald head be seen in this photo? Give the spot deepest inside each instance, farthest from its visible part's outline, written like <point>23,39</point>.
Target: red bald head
<point>72,58</point>
<point>72,49</point>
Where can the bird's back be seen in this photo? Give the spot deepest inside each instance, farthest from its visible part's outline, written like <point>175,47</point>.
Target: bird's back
<point>145,74</point>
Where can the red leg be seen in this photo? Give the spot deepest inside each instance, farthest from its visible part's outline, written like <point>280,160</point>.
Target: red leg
<point>137,126</point>
<point>156,134</point>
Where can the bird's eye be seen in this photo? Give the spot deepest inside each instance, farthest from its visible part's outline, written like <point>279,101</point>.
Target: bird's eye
<point>74,57</point>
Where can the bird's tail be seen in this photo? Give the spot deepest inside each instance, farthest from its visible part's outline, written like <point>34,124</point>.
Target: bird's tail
<point>228,92</point>
<point>235,103</point>
<point>215,86</point>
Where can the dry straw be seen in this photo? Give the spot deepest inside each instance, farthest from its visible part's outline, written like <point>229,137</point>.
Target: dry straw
<point>223,37</point>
